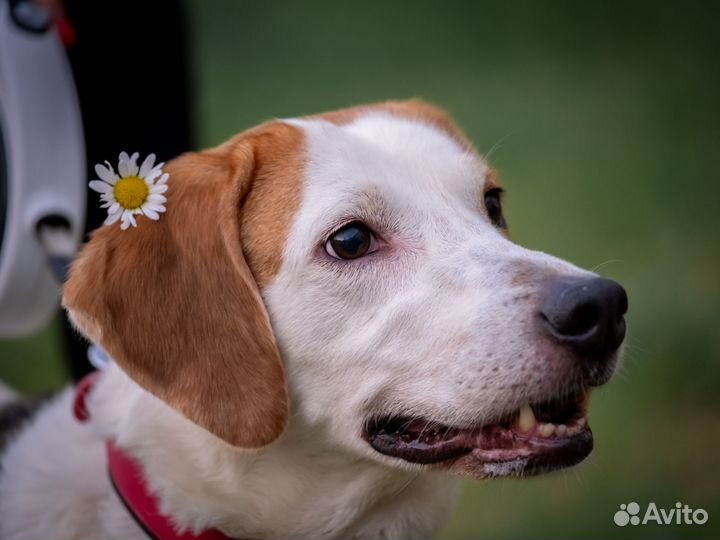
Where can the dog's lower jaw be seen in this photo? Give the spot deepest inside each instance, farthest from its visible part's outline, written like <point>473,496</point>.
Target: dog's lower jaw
<point>287,490</point>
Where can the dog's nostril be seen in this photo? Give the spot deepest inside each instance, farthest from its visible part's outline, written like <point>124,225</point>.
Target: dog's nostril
<point>587,314</point>
<point>581,320</point>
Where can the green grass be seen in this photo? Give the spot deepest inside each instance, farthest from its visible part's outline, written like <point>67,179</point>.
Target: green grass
<point>604,121</point>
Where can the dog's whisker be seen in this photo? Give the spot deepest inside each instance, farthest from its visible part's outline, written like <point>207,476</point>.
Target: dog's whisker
<point>498,144</point>
<point>604,264</point>
<point>581,480</point>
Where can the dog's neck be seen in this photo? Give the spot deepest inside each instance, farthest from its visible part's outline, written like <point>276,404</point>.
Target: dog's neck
<point>295,488</point>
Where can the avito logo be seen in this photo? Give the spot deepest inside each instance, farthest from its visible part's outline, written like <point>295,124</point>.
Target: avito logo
<point>681,514</point>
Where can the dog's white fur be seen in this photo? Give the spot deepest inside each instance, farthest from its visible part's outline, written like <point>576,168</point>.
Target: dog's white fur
<point>439,324</point>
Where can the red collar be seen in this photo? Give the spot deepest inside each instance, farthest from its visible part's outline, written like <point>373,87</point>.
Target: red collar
<point>128,480</point>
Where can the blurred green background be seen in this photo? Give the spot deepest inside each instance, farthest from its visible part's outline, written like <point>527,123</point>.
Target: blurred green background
<point>604,122</point>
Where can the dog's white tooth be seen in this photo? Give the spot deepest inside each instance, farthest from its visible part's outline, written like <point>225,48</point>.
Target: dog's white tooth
<point>526,419</point>
<point>546,430</point>
<point>561,429</point>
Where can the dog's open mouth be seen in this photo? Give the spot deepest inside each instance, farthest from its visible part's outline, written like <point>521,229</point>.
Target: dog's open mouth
<point>538,437</point>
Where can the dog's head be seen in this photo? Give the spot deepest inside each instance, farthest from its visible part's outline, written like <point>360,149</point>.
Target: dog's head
<point>358,261</point>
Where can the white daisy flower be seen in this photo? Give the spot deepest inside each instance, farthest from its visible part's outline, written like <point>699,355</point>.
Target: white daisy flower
<point>135,190</point>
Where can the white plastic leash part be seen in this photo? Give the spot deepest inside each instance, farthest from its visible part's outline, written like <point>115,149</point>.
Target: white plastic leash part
<point>98,357</point>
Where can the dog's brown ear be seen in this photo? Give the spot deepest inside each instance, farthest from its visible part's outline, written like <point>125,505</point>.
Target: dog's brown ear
<point>174,302</point>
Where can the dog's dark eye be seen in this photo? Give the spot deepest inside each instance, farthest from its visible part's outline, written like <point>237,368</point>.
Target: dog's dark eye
<point>350,242</point>
<point>493,205</point>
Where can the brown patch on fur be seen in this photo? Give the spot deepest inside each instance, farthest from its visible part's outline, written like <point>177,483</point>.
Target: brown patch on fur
<point>175,302</point>
<point>274,199</point>
<point>413,109</point>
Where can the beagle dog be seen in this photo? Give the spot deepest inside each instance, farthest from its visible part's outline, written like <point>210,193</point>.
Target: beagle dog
<point>327,329</point>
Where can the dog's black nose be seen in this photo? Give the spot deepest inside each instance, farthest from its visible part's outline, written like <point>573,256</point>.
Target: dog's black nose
<point>587,314</point>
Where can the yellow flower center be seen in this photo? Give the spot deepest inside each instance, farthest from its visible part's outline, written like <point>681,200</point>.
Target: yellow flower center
<point>131,192</point>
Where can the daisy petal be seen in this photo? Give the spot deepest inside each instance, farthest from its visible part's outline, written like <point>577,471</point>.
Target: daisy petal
<point>105,173</point>
<point>114,208</point>
<point>152,175</point>
<point>156,198</point>
<point>100,187</point>
<point>164,178</point>
<point>126,216</point>
<point>115,176</point>
<point>124,164</point>
<point>147,165</point>
<point>152,214</point>
<point>132,167</point>
<point>159,188</point>
<point>113,217</point>
<point>153,206</point>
